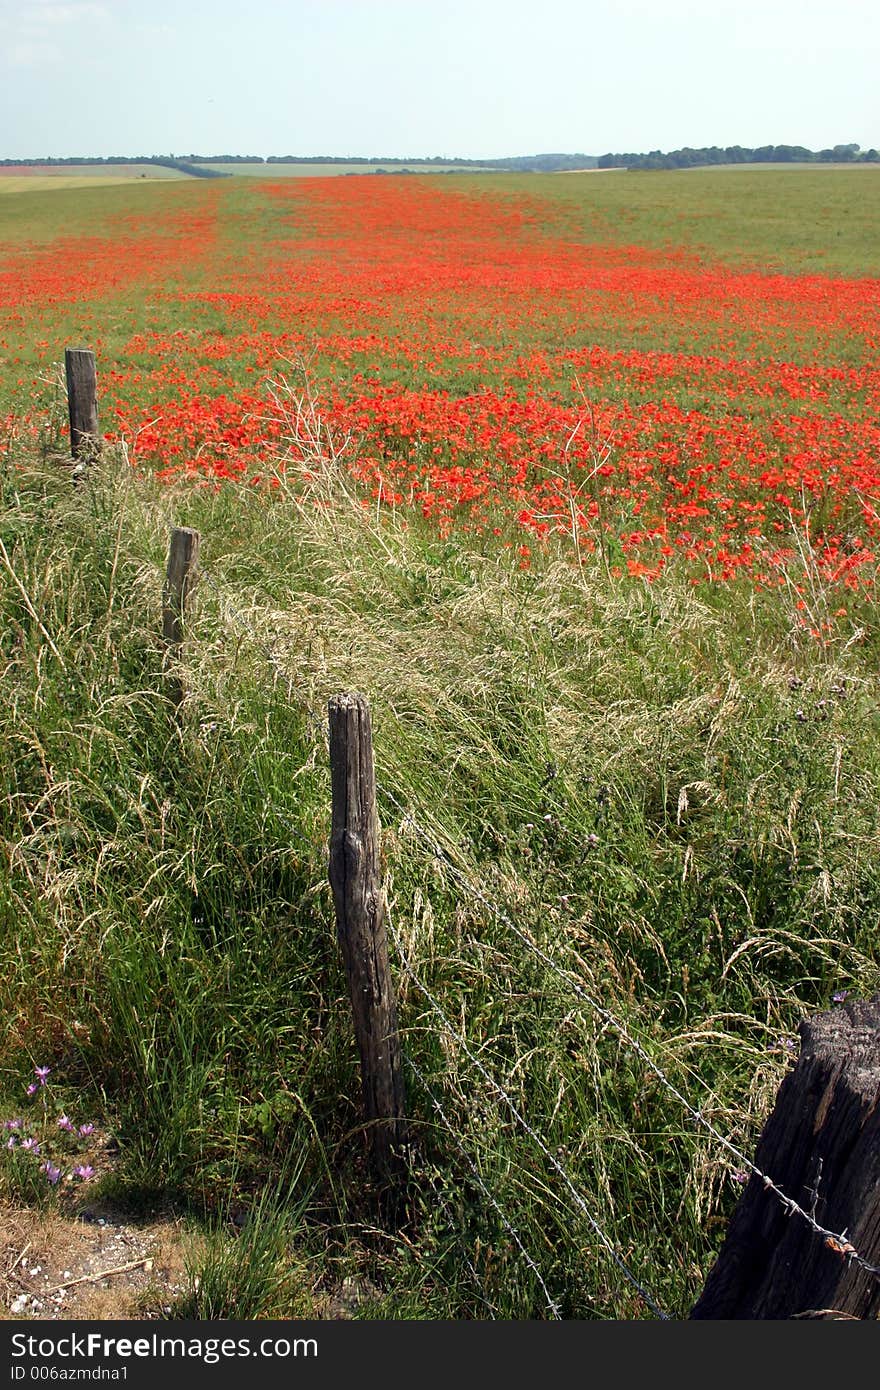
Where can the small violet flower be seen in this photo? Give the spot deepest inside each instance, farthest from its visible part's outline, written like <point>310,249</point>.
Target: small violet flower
<point>41,1073</point>
<point>30,1145</point>
<point>85,1130</point>
<point>32,1088</point>
<point>52,1173</point>
<point>84,1171</point>
<point>740,1176</point>
<point>839,995</point>
<point>65,1124</point>
<point>12,1124</point>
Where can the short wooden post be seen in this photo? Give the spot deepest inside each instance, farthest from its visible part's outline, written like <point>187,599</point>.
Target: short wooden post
<point>180,577</point>
<point>82,402</point>
<point>821,1147</point>
<point>355,877</point>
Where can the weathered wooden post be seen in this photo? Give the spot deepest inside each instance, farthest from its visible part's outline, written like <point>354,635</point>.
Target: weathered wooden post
<point>821,1147</point>
<point>82,403</point>
<point>355,877</point>
<point>180,575</point>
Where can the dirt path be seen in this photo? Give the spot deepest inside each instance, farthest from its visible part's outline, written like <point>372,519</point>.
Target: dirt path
<point>96,1265</point>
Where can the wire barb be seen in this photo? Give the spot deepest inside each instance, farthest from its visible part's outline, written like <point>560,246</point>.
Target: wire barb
<point>833,1240</point>
<point>553,1307</point>
<point>576,1196</point>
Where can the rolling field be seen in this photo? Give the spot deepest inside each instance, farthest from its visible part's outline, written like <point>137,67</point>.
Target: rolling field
<point>67,178</point>
<point>577,479</point>
<point>693,356</point>
<point>311,170</point>
<point>19,178</point>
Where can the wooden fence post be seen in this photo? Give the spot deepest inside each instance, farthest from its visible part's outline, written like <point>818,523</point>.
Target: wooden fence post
<point>82,402</point>
<point>821,1147</point>
<point>183,554</point>
<point>355,878</point>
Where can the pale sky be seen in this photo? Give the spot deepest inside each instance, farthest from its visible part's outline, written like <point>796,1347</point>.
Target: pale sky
<point>474,78</point>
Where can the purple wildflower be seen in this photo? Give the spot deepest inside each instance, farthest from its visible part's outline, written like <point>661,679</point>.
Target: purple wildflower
<point>30,1145</point>
<point>32,1088</point>
<point>739,1176</point>
<point>85,1130</point>
<point>84,1171</point>
<point>12,1124</point>
<point>65,1124</point>
<point>839,995</point>
<point>41,1073</point>
<point>11,1142</point>
<point>52,1173</point>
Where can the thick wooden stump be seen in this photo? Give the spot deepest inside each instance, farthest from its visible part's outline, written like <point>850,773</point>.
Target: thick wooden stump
<point>355,877</point>
<point>821,1146</point>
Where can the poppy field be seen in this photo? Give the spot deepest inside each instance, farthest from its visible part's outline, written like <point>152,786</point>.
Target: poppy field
<point>577,479</point>
<point>516,358</point>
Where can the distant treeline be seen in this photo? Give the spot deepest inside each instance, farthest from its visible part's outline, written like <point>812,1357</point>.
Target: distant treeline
<point>520,163</point>
<point>738,154</point>
<point>198,165</point>
<point>195,163</point>
<point>166,162</point>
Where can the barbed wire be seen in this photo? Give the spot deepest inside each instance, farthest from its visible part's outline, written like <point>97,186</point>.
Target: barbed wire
<point>834,1240</point>
<point>294,830</point>
<point>576,1196</point>
<point>478,1178</point>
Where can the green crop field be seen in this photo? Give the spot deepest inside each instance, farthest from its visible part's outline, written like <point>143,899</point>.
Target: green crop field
<point>19,179</point>
<point>795,219</point>
<point>576,480</point>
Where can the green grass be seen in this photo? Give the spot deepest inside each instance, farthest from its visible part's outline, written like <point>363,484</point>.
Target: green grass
<point>673,793</point>
<point>797,220</point>
<point>37,214</point>
<point>815,218</point>
<point>82,178</point>
<point>812,219</point>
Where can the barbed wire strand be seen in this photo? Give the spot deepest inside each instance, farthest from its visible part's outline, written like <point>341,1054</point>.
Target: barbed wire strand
<point>576,1196</point>
<point>506,1223</point>
<point>294,830</point>
<point>478,1178</point>
<point>835,1240</point>
<point>469,1264</point>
